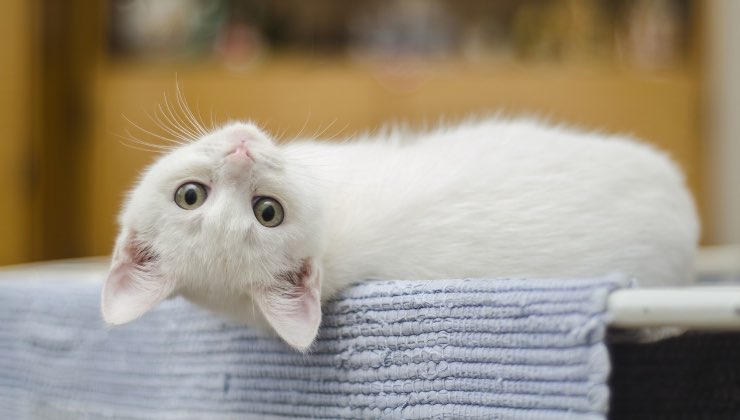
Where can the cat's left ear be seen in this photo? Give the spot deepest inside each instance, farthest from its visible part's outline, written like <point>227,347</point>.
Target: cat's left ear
<point>135,283</point>
<point>293,306</point>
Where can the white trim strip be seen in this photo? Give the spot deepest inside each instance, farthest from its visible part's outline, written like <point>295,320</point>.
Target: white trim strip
<point>710,308</point>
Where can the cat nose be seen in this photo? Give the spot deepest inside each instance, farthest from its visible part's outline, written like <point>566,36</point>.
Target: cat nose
<point>241,151</point>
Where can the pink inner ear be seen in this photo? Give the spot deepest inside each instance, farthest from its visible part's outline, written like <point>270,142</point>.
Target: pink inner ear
<point>134,285</point>
<point>293,307</point>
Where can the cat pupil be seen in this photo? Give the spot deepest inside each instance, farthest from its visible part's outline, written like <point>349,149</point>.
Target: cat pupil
<point>268,214</point>
<point>191,196</point>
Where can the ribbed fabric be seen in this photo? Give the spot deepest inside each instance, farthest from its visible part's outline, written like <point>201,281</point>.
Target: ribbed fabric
<point>493,349</point>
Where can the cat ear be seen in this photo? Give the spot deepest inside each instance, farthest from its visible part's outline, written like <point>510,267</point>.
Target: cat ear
<point>293,307</point>
<point>135,284</point>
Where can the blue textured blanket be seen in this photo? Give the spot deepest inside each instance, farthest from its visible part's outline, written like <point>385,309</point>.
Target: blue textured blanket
<point>509,349</point>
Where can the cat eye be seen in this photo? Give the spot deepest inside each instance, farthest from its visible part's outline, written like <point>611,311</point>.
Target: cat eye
<point>191,195</point>
<point>268,211</point>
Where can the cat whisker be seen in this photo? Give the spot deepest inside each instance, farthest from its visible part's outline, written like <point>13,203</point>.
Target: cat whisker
<point>318,135</point>
<point>337,134</point>
<point>279,136</point>
<point>200,117</point>
<point>188,114</point>
<point>130,146</point>
<point>176,120</point>
<point>184,118</point>
<point>161,124</point>
<point>127,142</point>
<point>171,125</point>
<point>213,121</point>
<point>137,140</point>
<point>305,124</point>
<point>151,133</point>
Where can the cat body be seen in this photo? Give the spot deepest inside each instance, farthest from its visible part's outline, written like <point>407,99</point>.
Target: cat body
<point>491,198</point>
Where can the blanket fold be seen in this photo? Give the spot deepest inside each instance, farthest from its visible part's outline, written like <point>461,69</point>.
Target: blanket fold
<point>515,349</point>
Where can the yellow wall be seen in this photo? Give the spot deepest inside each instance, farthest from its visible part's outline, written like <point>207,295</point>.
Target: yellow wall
<point>15,77</point>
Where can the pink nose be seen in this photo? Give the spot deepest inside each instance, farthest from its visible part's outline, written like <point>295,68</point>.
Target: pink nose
<point>241,150</point>
<point>238,163</point>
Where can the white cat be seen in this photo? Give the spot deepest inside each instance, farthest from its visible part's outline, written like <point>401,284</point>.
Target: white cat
<point>263,233</point>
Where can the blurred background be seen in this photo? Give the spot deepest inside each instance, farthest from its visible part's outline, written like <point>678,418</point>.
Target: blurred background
<point>78,78</point>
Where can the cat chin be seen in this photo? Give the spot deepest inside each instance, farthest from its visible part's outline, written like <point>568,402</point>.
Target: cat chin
<point>240,310</point>
<point>289,304</point>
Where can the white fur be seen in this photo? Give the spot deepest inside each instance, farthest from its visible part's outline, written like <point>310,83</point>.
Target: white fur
<point>483,199</point>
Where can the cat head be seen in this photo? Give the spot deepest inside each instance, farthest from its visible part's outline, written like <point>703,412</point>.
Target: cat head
<point>228,222</point>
